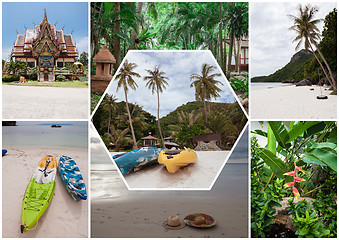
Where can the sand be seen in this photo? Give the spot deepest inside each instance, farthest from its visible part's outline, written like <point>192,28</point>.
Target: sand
<point>291,102</point>
<point>141,213</point>
<point>64,217</point>
<point>197,175</point>
<point>20,102</point>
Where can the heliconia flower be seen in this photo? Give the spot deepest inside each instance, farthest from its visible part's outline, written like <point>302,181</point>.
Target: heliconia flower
<point>289,173</point>
<point>300,169</point>
<point>296,193</point>
<point>299,179</point>
<point>289,184</point>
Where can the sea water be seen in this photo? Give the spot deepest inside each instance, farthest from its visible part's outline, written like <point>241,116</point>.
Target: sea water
<point>265,85</point>
<point>40,135</point>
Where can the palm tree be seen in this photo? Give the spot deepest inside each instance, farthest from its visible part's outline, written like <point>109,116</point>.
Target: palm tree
<point>206,85</point>
<point>157,82</point>
<point>125,80</point>
<point>237,24</point>
<point>188,119</point>
<point>305,26</point>
<point>109,104</point>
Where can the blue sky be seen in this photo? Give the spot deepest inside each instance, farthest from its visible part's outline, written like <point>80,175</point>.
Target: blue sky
<point>15,16</point>
<point>178,66</point>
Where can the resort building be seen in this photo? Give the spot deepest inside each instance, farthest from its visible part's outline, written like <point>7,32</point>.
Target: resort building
<point>45,48</point>
<point>243,58</point>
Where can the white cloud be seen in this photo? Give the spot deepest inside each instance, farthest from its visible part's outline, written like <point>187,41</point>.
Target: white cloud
<point>82,44</point>
<point>5,53</point>
<point>178,67</point>
<point>271,43</point>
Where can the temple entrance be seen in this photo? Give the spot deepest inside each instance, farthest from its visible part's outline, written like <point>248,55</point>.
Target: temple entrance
<point>45,77</point>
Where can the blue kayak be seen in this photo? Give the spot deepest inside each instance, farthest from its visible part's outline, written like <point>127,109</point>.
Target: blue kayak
<point>136,159</point>
<point>4,151</point>
<point>71,178</point>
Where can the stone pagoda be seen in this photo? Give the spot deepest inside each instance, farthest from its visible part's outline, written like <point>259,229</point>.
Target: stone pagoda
<point>104,68</point>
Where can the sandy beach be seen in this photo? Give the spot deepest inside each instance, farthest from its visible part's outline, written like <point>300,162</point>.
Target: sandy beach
<point>197,175</point>
<point>20,102</point>
<point>291,102</point>
<point>118,212</point>
<point>130,214</point>
<point>64,217</point>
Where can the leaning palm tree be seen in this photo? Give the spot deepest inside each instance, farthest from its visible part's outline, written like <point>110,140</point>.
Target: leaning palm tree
<point>156,81</point>
<point>305,26</point>
<point>125,80</point>
<point>206,85</point>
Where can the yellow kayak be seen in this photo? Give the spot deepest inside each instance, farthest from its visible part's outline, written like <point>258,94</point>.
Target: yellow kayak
<point>175,159</point>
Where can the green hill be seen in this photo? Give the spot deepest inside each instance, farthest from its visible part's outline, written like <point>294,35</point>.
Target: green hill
<point>172,117</point>
<point>292,70</point>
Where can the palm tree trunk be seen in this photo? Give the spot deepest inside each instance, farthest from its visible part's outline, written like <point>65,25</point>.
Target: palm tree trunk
<point>206,120</point>
<point>322,67</point>
<point>117,51</point>
<point>220,37</point>
<point>237,48</point>
<point>109,121</point>
<point>135,146</point>
<point>230,50</point>
<point>134,34</point>
<point>328,67</point>
<point>225,55</point>
<point>162,138</point>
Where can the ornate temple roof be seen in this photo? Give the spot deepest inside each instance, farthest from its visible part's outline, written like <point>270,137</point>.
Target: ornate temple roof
<point>26,43</point>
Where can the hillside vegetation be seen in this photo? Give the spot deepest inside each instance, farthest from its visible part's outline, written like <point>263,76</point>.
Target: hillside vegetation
<point>292,70</point>
<point>186,121</point>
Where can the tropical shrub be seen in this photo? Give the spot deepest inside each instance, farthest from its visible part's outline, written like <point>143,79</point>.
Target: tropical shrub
<point>6,78</point>
<point>240,85</point>
<point>60,78</point>
<point>302,155</point>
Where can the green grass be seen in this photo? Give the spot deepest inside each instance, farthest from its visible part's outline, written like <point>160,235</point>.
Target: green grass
<point>67,84</point>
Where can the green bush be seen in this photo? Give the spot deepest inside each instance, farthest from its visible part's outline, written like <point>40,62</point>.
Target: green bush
<point>6,78</point>
<point>60,78</point>
<point>33,75</point>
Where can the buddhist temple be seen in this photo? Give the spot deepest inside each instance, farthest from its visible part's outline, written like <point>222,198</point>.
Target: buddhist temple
<point>45,48</point>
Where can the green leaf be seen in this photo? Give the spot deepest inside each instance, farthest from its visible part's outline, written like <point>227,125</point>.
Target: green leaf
<point>260,132</point>
<point>299,128</point>
<point>327,157</point>
<point>320,126</point>
<point>326,145</point>
<point>311,159</point>
<point>281,133</point>
<point>303,231</point>
<point>271,141</point>
<point>275,163</point>
<point>308,184</point>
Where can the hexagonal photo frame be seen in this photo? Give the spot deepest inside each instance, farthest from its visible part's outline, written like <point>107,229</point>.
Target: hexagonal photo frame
<point>169,119</point>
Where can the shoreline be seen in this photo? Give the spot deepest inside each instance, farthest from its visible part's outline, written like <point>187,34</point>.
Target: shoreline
<point>291,102</point>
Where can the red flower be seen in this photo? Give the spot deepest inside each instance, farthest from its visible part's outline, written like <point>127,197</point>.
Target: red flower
<point>289,184</point>
<point>299,179</point>
<point>300,169</point>
<point>289,173</point>
<point>296,193</point>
